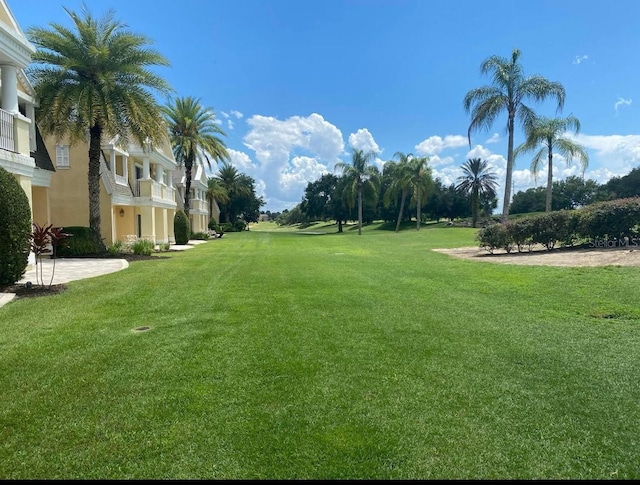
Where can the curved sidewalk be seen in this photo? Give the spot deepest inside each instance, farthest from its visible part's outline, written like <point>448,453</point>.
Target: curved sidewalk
<point>70,269</point>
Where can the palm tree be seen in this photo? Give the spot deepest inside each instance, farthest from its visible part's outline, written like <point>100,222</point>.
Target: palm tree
<point>509,91</point>
<point>216,192</point>
<point>95,78</point>
<point>420,182</point>
<point>548,134</point>
<point>194,136</point>
<point>234,183</point>
<point>361,176</point>
<point>477,180</point>
<point>400,182</point>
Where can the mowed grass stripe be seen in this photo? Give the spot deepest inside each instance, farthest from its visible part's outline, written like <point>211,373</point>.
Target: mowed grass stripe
<point>280,355</point>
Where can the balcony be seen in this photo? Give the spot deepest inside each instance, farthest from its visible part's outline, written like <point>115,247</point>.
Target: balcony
<point>7,135</point>
<point>153,189</point>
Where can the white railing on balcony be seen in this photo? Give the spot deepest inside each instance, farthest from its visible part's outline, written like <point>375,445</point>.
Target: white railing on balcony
<point>121,180</point>
<point>6,131</point>
<point>136,188</point>
<point>170,194</point>
<point>156,190</point>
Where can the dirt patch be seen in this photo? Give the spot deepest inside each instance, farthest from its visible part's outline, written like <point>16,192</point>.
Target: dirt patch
<point>555,257</point>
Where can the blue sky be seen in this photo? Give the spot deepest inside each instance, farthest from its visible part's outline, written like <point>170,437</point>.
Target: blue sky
<point>297,83</point>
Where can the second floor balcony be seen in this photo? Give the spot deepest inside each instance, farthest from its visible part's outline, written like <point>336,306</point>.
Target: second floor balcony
<point>153,189</point>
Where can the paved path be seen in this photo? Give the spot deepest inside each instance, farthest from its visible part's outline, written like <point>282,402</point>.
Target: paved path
<point>71,269</point>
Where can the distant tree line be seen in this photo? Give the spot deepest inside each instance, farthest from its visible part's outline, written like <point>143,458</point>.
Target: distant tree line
<point>575,192</point>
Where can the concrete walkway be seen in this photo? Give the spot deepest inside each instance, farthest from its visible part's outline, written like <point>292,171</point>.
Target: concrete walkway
<point>71,269</point>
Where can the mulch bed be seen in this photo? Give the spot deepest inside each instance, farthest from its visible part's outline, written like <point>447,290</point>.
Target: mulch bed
<point>23,291</point>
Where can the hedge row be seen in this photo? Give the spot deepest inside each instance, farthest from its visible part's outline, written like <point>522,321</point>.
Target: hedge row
<point>611,223</point>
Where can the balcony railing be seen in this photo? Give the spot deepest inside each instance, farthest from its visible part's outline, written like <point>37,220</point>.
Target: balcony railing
<point>153,189</point>
<point>7,141</point>
<point>121,180</point>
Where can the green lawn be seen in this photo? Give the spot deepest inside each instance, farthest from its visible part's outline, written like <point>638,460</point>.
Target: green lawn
<point>286,355</point>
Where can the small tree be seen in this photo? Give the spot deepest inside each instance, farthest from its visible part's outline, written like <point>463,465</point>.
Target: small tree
<point>15,227</point>
<point>181,227</point>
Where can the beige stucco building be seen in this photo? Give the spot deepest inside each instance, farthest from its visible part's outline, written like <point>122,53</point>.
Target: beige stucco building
<point>137,197</point>
<point>198,204</point>
<point>22,151</point>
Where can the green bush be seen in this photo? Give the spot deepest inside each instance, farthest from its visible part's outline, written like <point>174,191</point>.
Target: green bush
<point>612,219</point>
<point>116,248</point>
<point>552,228</point>
<point>143,246</point>
<point>494,237</point>
<point>15,227</point>
<point>181,227</point>
<point>214,225</point>
<point>239,225</point>
<point>82,243</point>
<point>520,231</point>
<point>202,236</point>
<point>226,227</point>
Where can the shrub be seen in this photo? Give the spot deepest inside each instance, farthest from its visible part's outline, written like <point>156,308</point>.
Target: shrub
<point>611,219</point>
<point>226,227</point>
<point>552,228</point>
<point>202,236</point>
<point>118,247</point>
<point>520,232</point>
<point>15,227</point>
<point>214,225</point>
<point>181,227</point>
<point>82,243</point>
<point>239,225</point>
<point>495,236</point>
<point>143,246</point>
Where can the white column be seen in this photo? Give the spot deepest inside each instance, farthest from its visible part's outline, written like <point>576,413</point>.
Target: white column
<point>112,161</point>
<point>145,168</point>
<point>31,114</point>
<point>159,174</point>
<point>9,92</point>
<point>125,167</point>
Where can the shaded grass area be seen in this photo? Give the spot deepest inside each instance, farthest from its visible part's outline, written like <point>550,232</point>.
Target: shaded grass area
<point>280,355</point>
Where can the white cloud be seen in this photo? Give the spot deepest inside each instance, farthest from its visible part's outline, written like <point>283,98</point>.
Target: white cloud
<point>495,138</point>
<point>290,153</point>
<point>363,140</point>
<point>218,122</point>
<point>226,115</point>
<point>579,59</point>
<point>435,144</point>
<point>241,161</point>
<point>621,102</point>
<point>237,114</point>
<point>230,124</point>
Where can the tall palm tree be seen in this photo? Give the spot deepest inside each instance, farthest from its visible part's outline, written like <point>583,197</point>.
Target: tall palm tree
<point>234,183</point>
<point>509,91</point>
<point>400,182</point>
<point>216,192</point>
<point>194,136</point>
<point>547,133</point>
<point>420,182</point>
<point>95,78</point>
<point>361,176</point>
<point>477,180</point>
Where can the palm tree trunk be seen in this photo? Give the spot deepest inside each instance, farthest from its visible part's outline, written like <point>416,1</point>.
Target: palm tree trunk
<point>549,182</point>
<point>339,225</point>
<point>474,207</point>
<point>95,138</point>
<point>187,185</point>
<point>359,208</point>
<point>404,195</point>
<point>418,207</point>
<point>507,184</point>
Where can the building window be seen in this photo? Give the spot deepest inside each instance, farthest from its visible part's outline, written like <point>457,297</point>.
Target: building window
<point>62,156</point>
